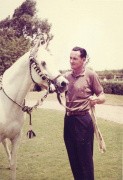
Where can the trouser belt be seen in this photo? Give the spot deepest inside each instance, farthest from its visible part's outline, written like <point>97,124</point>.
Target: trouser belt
<point>76,113</point>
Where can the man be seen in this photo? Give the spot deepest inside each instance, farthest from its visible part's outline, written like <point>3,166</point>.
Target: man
<point>78,125</point>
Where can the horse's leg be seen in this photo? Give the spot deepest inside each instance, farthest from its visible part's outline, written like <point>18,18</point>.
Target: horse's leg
<point>6,148</point>
<point>13,163</point>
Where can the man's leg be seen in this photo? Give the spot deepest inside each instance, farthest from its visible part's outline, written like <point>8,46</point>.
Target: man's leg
<point>85,137</point>
<point>69,132</point>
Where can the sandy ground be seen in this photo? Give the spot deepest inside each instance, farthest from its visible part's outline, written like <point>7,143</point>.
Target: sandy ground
<point>107,112</point>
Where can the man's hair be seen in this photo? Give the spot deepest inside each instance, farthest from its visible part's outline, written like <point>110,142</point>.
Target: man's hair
<point>83,52</point>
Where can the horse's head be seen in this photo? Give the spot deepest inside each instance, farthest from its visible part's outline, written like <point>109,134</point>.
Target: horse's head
<point>43,69</point>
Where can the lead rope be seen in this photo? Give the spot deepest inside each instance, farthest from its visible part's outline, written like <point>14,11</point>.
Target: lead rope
<point>30,133</point>
<point>101,143</point>
<point>100,140</point>
<point>27,109</point>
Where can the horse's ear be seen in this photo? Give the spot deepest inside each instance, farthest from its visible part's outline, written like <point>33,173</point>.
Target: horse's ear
<point>38,43</point>
<point>35,48</point>
<point>47,43</point>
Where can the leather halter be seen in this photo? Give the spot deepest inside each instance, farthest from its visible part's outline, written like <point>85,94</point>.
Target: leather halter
<point>44,77</point>
<point>34,64</point>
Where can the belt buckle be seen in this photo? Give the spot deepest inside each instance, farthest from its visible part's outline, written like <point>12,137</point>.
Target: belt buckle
<point>68,113</point>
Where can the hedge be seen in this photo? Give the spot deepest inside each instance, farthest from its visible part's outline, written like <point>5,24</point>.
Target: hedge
<point>113,87</point>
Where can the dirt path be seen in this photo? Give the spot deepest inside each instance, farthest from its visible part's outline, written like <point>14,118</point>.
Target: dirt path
<point>108,112</point>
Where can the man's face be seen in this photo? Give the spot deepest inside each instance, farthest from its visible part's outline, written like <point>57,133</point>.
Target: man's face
<point>76,61</point>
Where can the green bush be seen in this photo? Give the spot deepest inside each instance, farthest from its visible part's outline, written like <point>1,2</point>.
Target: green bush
<point>113,87</point>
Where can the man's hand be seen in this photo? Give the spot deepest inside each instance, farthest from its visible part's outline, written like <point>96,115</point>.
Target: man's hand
<point>97,100</point>
<point>93,100</point>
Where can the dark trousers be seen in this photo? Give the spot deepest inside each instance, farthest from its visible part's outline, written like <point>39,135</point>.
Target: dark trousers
<point>78,137</point>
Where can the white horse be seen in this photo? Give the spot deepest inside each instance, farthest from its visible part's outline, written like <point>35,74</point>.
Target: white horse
<point>16,82</point>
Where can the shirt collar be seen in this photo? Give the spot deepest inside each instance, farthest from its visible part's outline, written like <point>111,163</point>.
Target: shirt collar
<point>81,74</point>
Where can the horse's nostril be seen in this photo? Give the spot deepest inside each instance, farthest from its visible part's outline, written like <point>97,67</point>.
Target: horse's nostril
<point>43,77</point>
<point>63,84</point>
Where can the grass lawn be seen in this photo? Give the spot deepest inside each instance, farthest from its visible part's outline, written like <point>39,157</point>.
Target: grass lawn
<point>45,157</point>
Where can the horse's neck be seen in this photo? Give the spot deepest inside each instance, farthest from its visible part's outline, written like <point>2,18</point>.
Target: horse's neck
<point>16,80</point>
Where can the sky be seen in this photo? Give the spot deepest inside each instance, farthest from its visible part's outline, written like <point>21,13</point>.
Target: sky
<point>96,25</point>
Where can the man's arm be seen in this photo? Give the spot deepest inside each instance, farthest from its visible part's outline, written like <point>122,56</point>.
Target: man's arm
<point>97,99</point>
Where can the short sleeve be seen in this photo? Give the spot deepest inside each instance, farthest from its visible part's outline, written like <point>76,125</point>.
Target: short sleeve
<point>96,85</point>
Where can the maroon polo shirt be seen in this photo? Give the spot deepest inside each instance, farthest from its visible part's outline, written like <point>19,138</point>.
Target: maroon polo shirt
<point>80,88</point>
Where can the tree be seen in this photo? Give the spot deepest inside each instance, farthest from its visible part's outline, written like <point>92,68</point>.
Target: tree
<point>24,19</point>
<point>14,33</point>
<point>11,48</point>
<point>110,76</point>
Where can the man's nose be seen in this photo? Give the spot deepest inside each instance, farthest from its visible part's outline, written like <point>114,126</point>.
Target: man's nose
<point>71,60</point>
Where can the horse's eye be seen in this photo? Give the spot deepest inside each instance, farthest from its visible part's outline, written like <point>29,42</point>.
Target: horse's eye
<point>43,63</point>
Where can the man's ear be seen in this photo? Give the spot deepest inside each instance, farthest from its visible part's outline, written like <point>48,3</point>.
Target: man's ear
<point>84,59</point>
